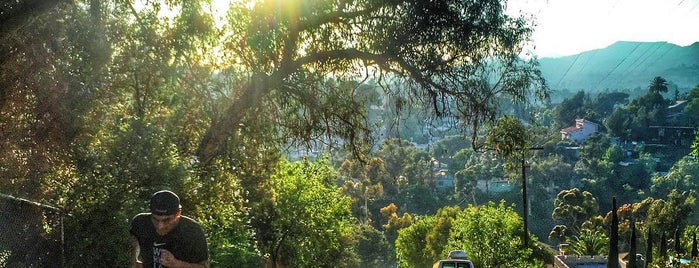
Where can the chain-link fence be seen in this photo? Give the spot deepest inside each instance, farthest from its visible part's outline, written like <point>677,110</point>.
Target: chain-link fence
<point>31,234</point>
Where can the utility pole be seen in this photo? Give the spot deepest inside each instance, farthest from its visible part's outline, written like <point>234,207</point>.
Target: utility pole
<point>525,204</point>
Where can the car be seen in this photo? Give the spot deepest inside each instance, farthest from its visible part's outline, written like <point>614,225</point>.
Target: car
<point>453,263</point>
<point>456,259</point>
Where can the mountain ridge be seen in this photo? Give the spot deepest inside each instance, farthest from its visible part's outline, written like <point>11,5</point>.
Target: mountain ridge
<point>624,65</point>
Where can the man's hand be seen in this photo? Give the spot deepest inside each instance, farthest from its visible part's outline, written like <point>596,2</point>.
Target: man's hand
<point>167,259</point>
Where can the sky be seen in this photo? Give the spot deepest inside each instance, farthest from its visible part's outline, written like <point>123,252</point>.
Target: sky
<point>567,27</point>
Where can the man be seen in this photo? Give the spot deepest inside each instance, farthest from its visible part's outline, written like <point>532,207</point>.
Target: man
<point>165,238</point>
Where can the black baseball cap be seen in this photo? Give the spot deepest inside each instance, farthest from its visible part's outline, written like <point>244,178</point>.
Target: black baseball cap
<point>164,203</point>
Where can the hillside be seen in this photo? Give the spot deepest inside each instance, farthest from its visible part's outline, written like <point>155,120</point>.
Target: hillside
<point>624,66</point>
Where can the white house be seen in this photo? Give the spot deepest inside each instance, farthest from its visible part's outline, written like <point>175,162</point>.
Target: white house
<point>582,130</point>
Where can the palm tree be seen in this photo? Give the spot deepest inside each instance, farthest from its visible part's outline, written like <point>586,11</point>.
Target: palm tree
<point>657,85</point>
<point>590,242</point>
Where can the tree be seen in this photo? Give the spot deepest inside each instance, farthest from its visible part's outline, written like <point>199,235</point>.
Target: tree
<point>678,244</point>
<point>632,248</point>
<point>373,248</point>
<point>286,55</point>
<point>671,213</point>
<point>605,102</point>
<point>589,243</point>
<point>509,138</point>
<point>573,207</point>
<point>694,93</point>
<point>695,251</point>
<point>395,223</point>
<point>559,233</point>
<point>511,141</point>
<point>410,246</point>
<point>490,235</point>
<point>662,250</point>
<point>481,230</point>
<point>308,210</point>
<point>571,109</point>
<point>613,256</point>
<point>657,85</point>
<point>691,111</point>
<point>618,123</point>
<point>441,231</point>
<point>695,147</point>
<point>649,246</point>
<point>680,177</point>
<point>365,183</point>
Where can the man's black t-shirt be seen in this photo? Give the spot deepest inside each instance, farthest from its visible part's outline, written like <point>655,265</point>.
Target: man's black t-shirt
<point>186,241</point>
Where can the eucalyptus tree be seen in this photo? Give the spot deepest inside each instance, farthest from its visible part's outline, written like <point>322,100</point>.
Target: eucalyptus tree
<point>454,57</point>
<point>573,207</point>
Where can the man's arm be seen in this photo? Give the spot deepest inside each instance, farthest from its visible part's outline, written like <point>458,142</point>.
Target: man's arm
<point>135,249</point>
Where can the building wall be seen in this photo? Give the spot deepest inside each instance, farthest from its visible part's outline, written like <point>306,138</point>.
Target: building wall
<point>583,130</point>
<point>567,261</point>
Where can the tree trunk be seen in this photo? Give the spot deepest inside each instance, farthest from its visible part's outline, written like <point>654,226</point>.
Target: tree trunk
<point>613,257</point>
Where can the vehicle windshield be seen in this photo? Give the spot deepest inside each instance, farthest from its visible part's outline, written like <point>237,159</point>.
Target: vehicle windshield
<point>455,265</point>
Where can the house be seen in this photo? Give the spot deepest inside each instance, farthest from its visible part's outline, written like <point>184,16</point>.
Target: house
<point>444,180</point>
<point>676,110</point>
<point>564,260</point>
<point>596,261</point>
<point>582,130</point>
<point>494,185</point>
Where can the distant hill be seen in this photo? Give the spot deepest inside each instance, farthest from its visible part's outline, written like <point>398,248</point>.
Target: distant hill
<point>624,66</point>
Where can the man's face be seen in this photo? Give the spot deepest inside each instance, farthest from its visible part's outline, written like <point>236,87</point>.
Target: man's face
<point>165,223</point>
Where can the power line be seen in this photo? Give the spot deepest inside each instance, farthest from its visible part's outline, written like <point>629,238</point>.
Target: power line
<point>568,70</point>
<point>634,65</point>
<point>617,66</point>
